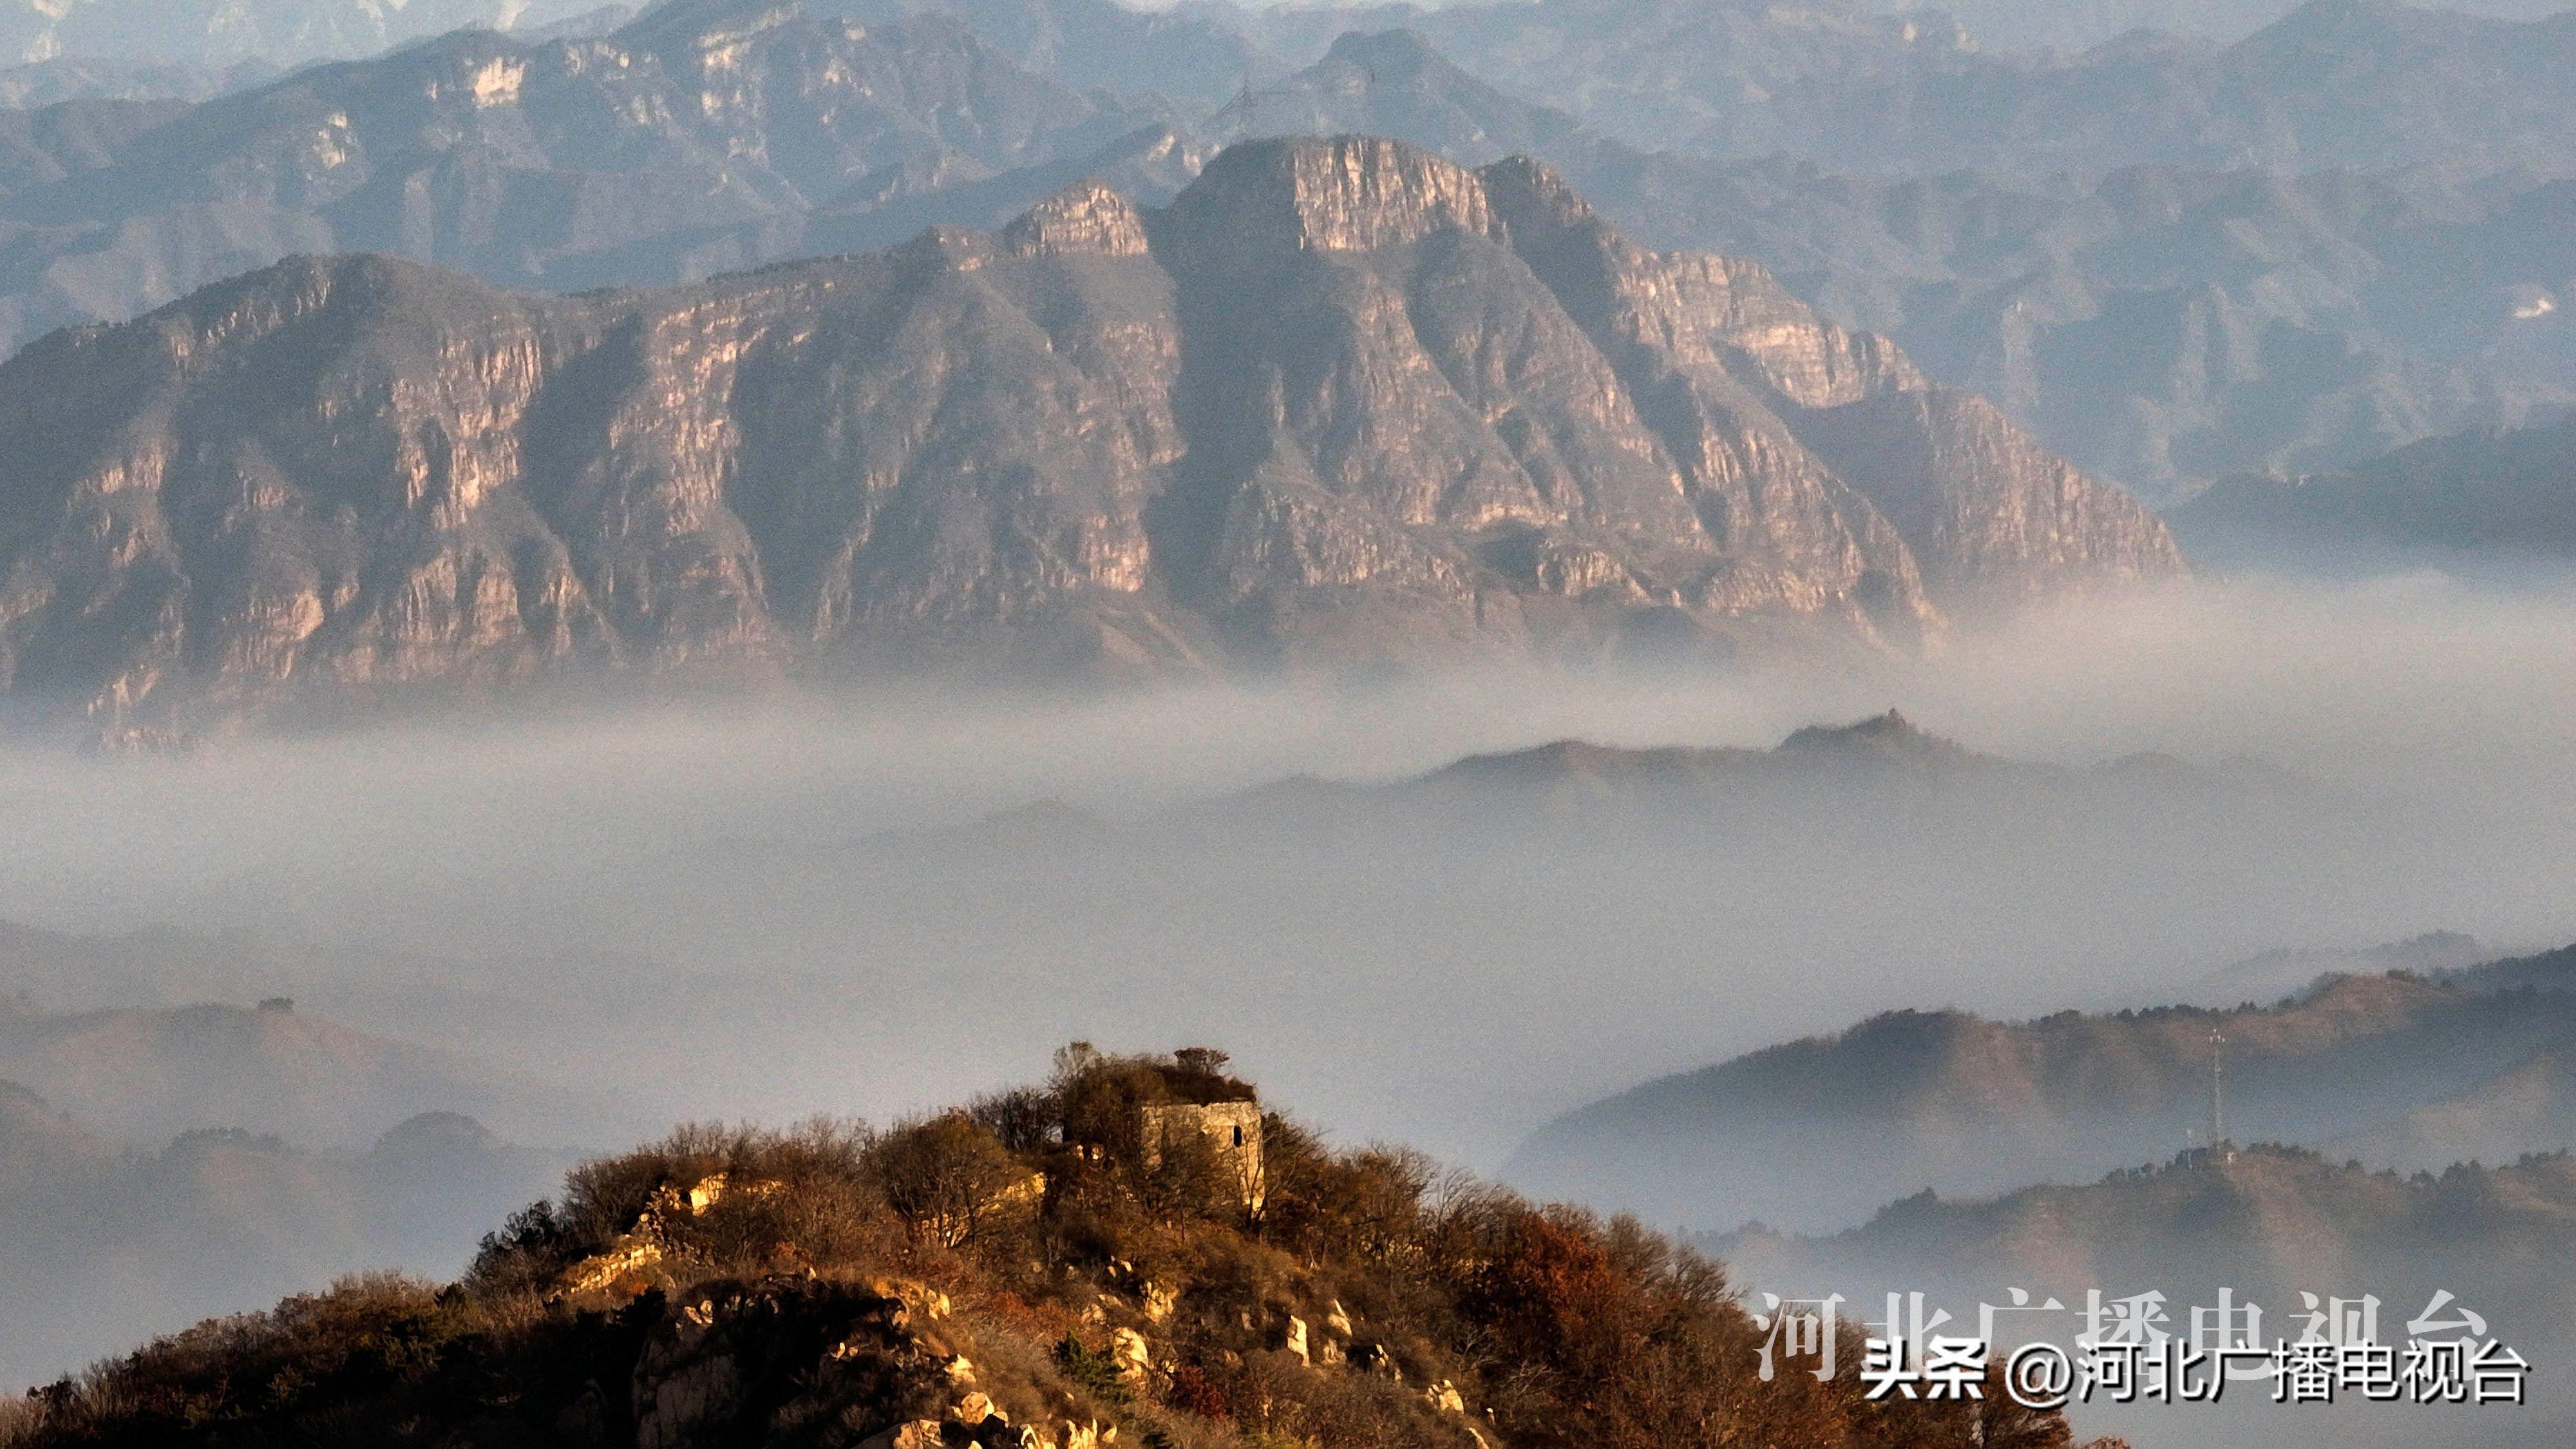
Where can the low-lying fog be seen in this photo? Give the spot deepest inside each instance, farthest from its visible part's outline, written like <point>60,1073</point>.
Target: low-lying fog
<point>683,913</point>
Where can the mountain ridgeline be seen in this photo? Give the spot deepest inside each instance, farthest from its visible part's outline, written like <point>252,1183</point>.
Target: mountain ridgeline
<point>2353,84</point>
<point>1341,402</point>
<point>126,1237</point>
<point>2399,1069</point>
<point>2498,492</point>
<point>2172,261</point>
<point>2159,324</point>
<point>272,32</point>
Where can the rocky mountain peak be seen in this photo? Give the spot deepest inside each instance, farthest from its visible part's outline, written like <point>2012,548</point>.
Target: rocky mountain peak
<point>1336,194</point>
<point>1334,404</point>
<point>1084,219</point>
<point>1530,194</point>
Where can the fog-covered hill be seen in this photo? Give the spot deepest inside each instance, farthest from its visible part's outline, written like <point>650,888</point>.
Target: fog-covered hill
<point>146,1074</point>
<point>2278,1228</point>
<point>116,1235</point>
<point>1816,1133</point>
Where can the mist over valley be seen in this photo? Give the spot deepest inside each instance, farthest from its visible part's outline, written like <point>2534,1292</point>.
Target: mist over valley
<point>1026,724</point>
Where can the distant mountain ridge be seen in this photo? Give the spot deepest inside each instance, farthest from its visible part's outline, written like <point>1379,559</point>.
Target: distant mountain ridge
<point>148,1075</point>
<point>2083,24</point>
<point>2335,83</point>
<point>1341,401</point>
<point>219,33</point>
<point>1887,739</point>
<point>1971,1106</point>
<point>2264,1222</point>
<point>2160,324</point>
<point>1884,754</point>
<point>162,1165</point>
<point>118,1236</point>
<point>2510,493</point>
<point>2162,319</point>
<point>574,162</point>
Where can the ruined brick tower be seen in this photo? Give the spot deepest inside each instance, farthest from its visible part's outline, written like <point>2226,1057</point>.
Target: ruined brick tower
<point>1231,1128</point>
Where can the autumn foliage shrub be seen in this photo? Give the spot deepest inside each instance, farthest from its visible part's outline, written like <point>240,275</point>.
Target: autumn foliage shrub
<point>1028,1246</point>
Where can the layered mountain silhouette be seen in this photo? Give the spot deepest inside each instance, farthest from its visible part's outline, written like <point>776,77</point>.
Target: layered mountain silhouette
<point>1341,401</point>
<point>2267,1223</point>
<point>162,1165</point>
<point>2161,325</point>
<point>124,1235</point>
<point>218,33</point>
<point>151,1074</point>
<point>2335,83</point>
<point>2507,493</point>
<point>1863,777</point>
<point>2082,24</point>
<point>2161,315</point>
<point>2408,1070</point>
<point>664,152</point>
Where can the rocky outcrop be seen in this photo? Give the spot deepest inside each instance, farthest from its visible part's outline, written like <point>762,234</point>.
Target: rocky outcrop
<point>1341,401</point>
<point>1992,518</point>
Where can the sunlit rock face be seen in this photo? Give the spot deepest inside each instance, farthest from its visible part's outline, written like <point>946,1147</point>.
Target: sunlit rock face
<point>1342,402</point>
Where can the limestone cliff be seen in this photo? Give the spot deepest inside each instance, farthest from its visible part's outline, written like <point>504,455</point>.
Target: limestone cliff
<point>1341,401</point>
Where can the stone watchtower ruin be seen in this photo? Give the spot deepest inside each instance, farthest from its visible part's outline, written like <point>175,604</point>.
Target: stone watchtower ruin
<point>1231,1127</point>
<point>1232,1131</point>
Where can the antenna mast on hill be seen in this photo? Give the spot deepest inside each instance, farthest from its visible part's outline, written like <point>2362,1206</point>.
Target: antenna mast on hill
<point>2217,1089</point>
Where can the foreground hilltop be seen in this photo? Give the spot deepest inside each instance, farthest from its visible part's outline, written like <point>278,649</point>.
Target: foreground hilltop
<point>1135,1253</point>
<point>1341,402</point>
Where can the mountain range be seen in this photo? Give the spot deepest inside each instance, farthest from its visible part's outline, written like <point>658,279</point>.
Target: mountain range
<point>119,1238</point>
<point>1881,776</point>
<point>570,162</point>
<point>150,1074</point>
<point>2162,318</point>
<point>2268,1220</point>
<point>2282,1229</point>
<point>2401,1069</point>
<point>220,33</point>
<point>2333,84</point>
<point>2075,25</point>
<point>158,1166</point>
<point>2161,325</point>
<point>2486,493</point>
<point>1341,401</point>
